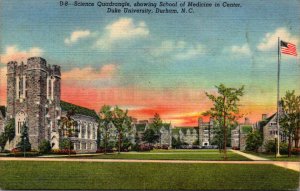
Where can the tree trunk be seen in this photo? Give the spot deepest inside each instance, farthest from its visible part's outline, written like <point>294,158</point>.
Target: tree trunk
<point>105,142</point>
<point>290,145</point>
<point>297,137</point>
<point>225,143</point>
<point>70,146</point>
<point>120,136</point>
<point>225,130</point>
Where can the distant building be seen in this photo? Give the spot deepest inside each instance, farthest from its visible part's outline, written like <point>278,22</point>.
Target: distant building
<point>239,134</point>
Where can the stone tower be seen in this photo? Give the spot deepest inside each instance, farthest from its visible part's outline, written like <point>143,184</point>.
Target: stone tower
<point>33,98</point>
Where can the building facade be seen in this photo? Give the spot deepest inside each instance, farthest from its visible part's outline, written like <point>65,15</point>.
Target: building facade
<point>33,99</point>
<point>239,134</point>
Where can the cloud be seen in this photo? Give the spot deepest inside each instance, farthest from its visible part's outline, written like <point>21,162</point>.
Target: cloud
<point>89,73</point>
<point>12,53</point>
<point>179,50</point>
<point>120,30</point>
<point>3,82</point>
<point>77,35</point>
<point>270,41</point>
<point>3,72</point>
<point>241,50</point>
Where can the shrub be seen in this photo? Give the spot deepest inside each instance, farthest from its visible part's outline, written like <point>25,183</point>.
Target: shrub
<point>296,151</point>
<point>111,145</point>
<point>65,143</point>
<point>254,141</point>
<point>145,147</point>
<point>45,146</point>
<point>126,144</point>
<point>27,154</point>
<point>270,147</point>
<point>14,150</point>
<point>165,147</point>
<point>284,148</point>
<point>62,151</point>
<point>235,148</point>
<point>135,147</point>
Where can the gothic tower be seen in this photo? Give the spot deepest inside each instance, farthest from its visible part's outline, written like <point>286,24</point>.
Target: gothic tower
<point>33,98</point>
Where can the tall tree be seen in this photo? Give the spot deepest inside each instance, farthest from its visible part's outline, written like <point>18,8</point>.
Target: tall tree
<point>24,144</point>
<point>225,108</point>
<point>150,136</point>
<point>156,125</point>
<point>105,116</point>
<point>290,118</point>
<point>122,122</point>
<point>69,127</point>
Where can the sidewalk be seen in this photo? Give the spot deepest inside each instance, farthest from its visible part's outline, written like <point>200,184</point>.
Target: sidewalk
<point>285,164</point>
<point>249,156</point>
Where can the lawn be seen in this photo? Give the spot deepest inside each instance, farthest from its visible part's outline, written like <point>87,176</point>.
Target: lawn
<point>295,158</point>
<point>211,155</point>
<point>88,175</point>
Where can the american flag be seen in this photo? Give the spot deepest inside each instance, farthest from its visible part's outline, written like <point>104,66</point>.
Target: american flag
<point>288,48</point>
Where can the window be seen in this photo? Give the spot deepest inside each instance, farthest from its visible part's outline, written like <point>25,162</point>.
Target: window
<point>88,131</point>
<point>20,121</point>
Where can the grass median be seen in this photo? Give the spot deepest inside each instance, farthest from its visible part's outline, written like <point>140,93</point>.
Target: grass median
<point>203,155</point>
<point>89,175</point>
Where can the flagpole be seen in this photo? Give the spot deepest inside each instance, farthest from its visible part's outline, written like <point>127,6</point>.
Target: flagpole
<point>278,97</point>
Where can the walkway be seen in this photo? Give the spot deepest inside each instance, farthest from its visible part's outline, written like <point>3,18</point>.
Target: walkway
<point>289,165</point>
<point>285,164</point>
<point>249,156</point>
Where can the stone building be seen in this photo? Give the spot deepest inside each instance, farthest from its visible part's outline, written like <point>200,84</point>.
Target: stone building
<point>239,134</point>
<point>205,132</point>
<point>33,98</point>
<point>268,127</point>
<point>187,135</point>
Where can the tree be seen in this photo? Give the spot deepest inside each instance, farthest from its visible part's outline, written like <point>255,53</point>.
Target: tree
<point>225,109</point>
<point>150,136</point>
<point>3,141</point>
<point>218,132</point>
<point>290,118</point>
<point>65,143</point>
<point>45,146</point>
<point>176,143</point>
<point>8,134</point>
<point>122,122</point>
<point>105,118</point>
<point>9,130</point>
<point>254,141</point>
<point>24,144</point>
<point>69,127</point>
<point>156,125</point>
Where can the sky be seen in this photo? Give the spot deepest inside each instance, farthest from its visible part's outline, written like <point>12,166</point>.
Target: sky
<point>157,63</point>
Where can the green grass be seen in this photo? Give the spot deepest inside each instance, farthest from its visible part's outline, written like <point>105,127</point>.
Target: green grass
<point>184,150</point>
<point>295,158</point>
<point>210,155</point>
<point>88,175</point>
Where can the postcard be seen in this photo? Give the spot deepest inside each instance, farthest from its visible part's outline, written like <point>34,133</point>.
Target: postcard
<point>149,95</point>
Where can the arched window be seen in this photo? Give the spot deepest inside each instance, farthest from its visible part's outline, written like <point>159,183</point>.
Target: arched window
<point>20,121</point>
